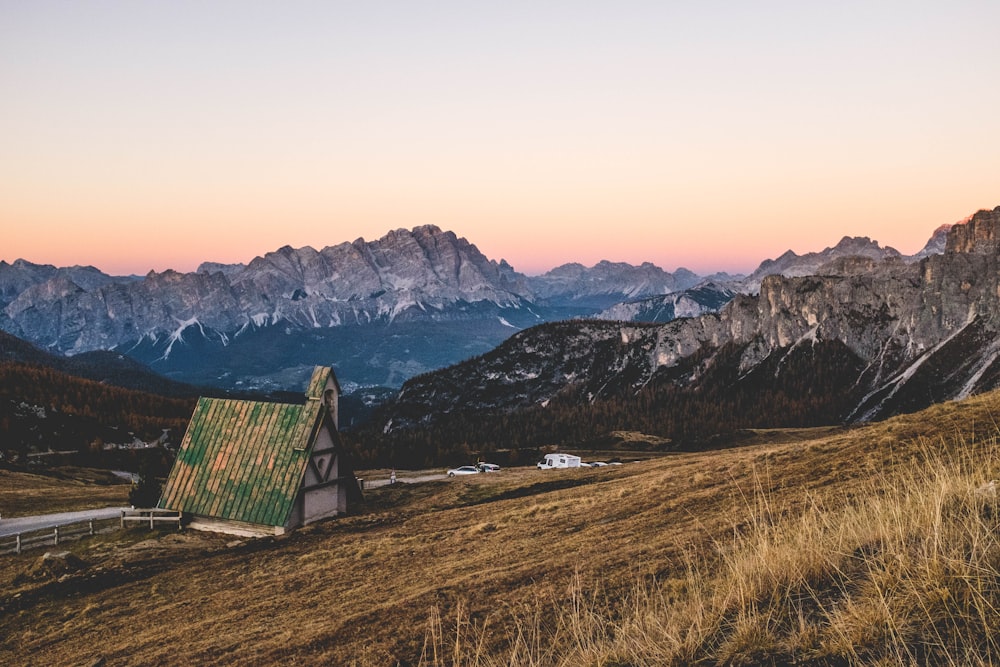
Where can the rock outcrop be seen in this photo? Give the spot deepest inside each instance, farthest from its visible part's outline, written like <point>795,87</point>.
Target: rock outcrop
<point>922,331</point>
<point>980,234</point>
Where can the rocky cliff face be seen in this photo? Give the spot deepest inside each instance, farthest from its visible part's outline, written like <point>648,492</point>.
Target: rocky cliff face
<point>18,276</point>
<point>922,331</point>
<point>405,273</point>
<point>981,234</point>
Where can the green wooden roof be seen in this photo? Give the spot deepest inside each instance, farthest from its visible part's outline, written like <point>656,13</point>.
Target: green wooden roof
<point>243,460</point>
<point>317,384</point>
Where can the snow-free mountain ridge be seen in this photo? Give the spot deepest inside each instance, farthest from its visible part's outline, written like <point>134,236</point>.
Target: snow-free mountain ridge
<point>381,311</point>
<point>916,331</point>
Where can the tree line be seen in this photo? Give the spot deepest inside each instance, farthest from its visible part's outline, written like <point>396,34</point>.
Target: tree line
<point>42,408</point>
<point>690,405</point>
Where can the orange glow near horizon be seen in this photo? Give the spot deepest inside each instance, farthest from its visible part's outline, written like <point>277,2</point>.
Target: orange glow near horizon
<point>697,242</point>
<point>155,137</point>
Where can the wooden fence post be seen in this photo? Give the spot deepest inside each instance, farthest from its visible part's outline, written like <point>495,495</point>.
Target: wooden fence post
<point>18,548</point>
<point>56,536</point>
<point>91,526</point>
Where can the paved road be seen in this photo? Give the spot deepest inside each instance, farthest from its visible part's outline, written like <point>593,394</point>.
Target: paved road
<point>23,524</point>
<point>375,483</point>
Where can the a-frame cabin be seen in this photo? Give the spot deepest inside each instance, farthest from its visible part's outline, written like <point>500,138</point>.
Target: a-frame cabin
<point>255,468</point>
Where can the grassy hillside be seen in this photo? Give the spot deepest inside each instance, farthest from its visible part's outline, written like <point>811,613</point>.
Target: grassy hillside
<point>60,489</point>
<point>831,546</point>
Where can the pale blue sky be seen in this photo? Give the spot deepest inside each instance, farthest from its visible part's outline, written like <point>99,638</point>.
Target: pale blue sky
<point>712,135</point>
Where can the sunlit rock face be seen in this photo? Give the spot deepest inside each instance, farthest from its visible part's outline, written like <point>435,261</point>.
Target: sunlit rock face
<point>980,234</point>
<point>921,331</point>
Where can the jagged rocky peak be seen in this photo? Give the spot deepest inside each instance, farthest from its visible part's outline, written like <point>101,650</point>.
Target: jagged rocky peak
<point>935,244</point>
<point>57,287</point>
<point>227,270</point>
<point>860,246</point>
<point>791,264</point>
<point>427,260</point>
<point>18,276</point>
<point>608,282</point>
<point>979,234</point>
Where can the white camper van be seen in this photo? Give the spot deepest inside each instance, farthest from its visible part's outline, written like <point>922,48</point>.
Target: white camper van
<point>558,461</point>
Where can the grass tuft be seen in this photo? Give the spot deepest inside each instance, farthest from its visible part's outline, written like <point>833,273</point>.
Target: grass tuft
<point>906,573</point>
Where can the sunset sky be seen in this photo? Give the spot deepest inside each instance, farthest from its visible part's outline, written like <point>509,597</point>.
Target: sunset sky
<point>712,135</point>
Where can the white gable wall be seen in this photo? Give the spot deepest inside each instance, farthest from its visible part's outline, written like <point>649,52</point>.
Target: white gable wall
<point>329,499</point>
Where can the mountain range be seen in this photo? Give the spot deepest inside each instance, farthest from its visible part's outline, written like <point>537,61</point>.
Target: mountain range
<point>380,311</point>
<point>833,336</point>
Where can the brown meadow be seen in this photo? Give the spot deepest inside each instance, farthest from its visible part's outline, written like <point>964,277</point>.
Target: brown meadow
<point>874,544</point>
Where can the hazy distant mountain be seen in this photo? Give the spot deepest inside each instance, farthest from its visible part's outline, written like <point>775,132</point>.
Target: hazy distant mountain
<point>706,297</point>
<point>792,265</point>
<point>606,283</point>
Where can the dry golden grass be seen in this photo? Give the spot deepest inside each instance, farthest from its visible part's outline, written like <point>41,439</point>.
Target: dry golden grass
<point>63,490</point>
<point>829,546</point>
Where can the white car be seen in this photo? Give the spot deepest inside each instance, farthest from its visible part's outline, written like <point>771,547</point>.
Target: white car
<point>488,467</point>
<point>463,470</point>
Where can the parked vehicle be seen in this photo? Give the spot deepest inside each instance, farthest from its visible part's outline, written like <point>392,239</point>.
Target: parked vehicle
<point>488,467</point>
<point>463,470</point>
<point>558,461</point>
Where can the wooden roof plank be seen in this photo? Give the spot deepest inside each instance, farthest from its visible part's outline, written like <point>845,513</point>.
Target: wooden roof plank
<point>275,500</point>
<point>256,450</point>
<point>220,469</point>
<point>279,439</point>
<point>214,452</point>
<point>190,456</point>
<point>247,476</point>
<point>292,464</point>
<point>186,462</point>
<point>242,491</point>
<point>229,471</point>
<point>206,444</point>
<point>265,450</point>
